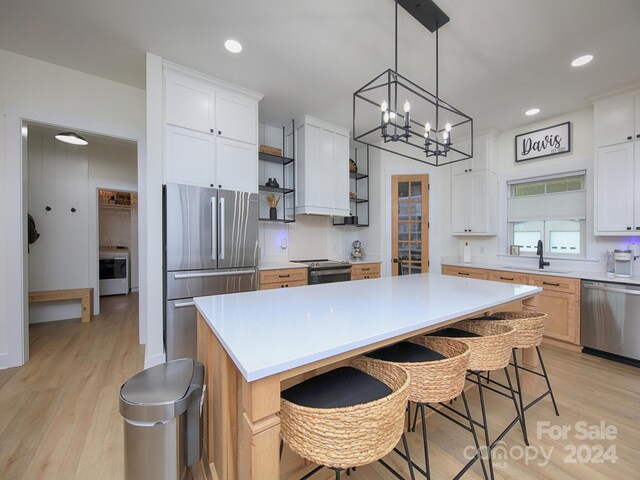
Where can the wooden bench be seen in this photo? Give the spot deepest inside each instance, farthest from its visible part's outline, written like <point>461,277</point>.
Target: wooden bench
<point>85,295</point>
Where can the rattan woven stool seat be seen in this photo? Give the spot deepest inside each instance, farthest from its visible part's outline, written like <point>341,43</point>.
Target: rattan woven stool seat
<point>529,326</point>
<point>363,431</point>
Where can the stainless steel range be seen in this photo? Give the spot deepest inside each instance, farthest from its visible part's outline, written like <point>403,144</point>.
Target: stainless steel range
<point>327,271</point>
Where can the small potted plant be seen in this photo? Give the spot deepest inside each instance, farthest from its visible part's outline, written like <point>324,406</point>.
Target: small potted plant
<point>273,200</point>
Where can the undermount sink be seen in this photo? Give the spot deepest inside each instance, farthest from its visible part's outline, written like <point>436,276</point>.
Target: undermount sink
<point>539,270</point>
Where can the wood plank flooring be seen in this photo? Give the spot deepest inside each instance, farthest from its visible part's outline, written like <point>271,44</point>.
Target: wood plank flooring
<point>59,414</point>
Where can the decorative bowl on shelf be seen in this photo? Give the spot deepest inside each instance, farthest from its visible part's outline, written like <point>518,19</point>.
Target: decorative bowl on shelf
<point>353,167</point>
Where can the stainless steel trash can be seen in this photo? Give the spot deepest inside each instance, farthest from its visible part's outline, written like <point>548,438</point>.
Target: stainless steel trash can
<point>162,408</point>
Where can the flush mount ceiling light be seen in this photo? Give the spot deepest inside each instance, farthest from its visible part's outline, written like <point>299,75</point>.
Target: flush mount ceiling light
<point>233,46</point>
<point>396,115</point>
<point>532,111</point>
<point>583,60</point>
<point>72,138</point>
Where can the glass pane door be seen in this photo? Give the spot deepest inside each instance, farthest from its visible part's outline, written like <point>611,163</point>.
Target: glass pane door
<point>410,223</point>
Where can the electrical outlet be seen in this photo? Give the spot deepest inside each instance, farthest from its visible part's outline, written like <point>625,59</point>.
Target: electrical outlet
<point>283,243</point>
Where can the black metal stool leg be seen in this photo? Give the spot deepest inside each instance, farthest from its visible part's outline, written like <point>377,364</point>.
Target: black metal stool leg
<point>408,454</point>
<point>424,442</point>
<point>523,421</point>
<point>475,436</point>
<point>415,419</point>
<point>515,405</point>
<point>485,425</point>
<point>408,416</point>
<point>546,377</point>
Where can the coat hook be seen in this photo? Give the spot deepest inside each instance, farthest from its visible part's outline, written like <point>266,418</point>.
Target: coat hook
<point>73,210</point>
<point>47,208</point>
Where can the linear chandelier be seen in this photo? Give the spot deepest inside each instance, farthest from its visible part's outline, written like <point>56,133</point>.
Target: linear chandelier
<point>394,114</point>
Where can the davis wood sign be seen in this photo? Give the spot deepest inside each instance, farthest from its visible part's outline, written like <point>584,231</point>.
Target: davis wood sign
<point>544,142</point>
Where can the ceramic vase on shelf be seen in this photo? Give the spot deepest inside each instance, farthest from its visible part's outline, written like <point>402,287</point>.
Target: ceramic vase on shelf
<point>273,213</point>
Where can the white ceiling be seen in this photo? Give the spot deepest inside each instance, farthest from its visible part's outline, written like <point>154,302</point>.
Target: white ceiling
<point>497,57</point>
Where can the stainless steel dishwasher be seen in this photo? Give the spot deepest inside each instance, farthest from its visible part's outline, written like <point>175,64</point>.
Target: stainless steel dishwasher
<point>610,318</point>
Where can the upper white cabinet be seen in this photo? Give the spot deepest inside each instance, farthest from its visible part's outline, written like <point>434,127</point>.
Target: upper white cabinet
<point>474,189</point>
<point>474,203</point>
<point>211,132</point>
<point>617,120</point>
<point>322,158</point>
<point>617,199</point>
<point>236,118</point>
<point>485,152</point>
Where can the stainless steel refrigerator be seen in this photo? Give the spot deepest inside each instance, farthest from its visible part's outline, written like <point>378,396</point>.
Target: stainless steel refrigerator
<point>211,247</point>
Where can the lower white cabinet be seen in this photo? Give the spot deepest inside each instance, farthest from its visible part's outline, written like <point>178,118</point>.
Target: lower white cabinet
<point>189,157</point>
<point>617,189</point>
<point>236,165</point>
<point>474,203</point>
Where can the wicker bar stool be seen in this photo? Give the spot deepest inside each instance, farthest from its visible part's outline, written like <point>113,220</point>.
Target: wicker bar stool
<point>490,345</point>
<point>529,331</point>
<point>437,368</point>
<point>348,417</point>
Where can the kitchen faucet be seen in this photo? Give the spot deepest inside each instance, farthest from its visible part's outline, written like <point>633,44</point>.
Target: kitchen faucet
<point>539,250</point>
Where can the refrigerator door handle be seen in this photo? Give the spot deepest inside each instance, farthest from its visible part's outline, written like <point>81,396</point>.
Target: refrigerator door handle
<point>214,246</point>
<point>222,228</point>
<point>179,276</point>
<point>184,304</point>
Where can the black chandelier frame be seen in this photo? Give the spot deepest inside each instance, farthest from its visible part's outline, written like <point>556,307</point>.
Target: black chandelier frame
<point>397,128</point>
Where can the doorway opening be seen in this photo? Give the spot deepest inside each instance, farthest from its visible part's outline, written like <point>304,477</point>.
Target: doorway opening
<point>409,224</point>
<point>61,184</point>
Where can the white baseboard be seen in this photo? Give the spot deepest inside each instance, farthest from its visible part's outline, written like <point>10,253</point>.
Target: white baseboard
<point>153,360</point>
<point>4,359</point>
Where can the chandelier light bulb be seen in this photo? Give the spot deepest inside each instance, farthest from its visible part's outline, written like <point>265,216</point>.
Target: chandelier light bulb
<point>386,117</point>
<point>384,106</point>
<point>392,115</point>
<point>407,106</point>
<point>445,135</point>
<point>447,127</point>
<point>427,127</point>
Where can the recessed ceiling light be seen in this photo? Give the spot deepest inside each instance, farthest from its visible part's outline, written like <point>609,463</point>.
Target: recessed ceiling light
<point>583,60</point>
<point>532,111</point>
<point>233,46</point>
<point>72,138</point>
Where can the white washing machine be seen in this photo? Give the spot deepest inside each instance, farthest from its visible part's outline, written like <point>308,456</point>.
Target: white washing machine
<point>114,271</point>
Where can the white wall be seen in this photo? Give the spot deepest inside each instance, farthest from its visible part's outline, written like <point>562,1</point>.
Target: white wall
<point>46,91</point>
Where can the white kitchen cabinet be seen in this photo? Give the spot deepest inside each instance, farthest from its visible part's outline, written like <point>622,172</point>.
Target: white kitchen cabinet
<point>189,104</point>
<point>236,118</point>
<point>617,120</point>
<point>322,157</point>
<point>617,190</point>
<point>474,203</point>
<point>211,131</point>
<point>485,152</point>
<point>236,166</point>
<point>189,157</point>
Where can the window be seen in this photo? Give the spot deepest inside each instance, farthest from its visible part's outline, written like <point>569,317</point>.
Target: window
<point>551,209</point>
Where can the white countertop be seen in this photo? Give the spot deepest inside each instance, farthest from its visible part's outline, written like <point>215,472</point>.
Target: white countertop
<point>280,265</point>
<point>271,331</point>
<point>583,275</point>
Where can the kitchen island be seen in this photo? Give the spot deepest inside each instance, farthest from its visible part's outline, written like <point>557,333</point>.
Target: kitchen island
<point>254,344</point>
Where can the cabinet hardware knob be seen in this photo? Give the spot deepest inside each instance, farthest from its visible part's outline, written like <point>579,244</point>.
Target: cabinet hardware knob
<point>630,138</point>
<point>47,208</point>
<point>638,135</point>
<point>463,273</point>
<point>637,228</point>
<point>73,210</point>
<point>284,276</point>
<point>628,228</point>
<point>219,132</point>
<point>506,278</point>
<point>471,169</point>
<point>211,130</point>
<point>219,186</point>
<point>551,284</point>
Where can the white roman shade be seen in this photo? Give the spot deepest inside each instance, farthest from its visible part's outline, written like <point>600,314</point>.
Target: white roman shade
<point>570,205</point>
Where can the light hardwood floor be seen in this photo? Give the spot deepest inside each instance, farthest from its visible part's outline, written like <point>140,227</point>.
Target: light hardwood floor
<point>59,413</point>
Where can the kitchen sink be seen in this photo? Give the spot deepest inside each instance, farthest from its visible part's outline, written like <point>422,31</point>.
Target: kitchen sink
<point>539,270</point>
